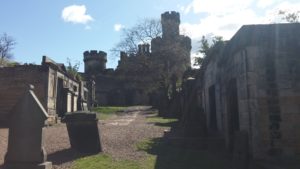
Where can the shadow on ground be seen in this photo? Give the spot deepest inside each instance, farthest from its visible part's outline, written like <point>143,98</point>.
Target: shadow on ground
<point>177,152</point>
<point>65,156</point>
<point>168,124</point>
<point>170,156</point>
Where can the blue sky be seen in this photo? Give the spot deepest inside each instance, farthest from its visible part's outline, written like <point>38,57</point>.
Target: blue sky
<point>65,29</point>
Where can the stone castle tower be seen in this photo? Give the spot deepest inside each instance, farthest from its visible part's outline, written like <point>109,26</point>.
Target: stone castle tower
<point>170,22</point>
<point>174,47</point>
<point>94,62</point>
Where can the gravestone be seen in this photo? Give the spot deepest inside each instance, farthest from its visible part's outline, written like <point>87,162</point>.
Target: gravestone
<point>241,150</point>
<point>83,131</point>
<point>26,123</point>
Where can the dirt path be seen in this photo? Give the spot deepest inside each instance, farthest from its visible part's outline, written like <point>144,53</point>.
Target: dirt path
<point>120,134</point>
<point>118,138</point>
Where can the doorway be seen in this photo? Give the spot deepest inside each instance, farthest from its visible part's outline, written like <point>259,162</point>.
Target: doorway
<point>233,111</point>
<point>212,109</point>
<point>61,98</point>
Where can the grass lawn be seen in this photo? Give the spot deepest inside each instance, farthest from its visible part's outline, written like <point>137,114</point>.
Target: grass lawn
<point>104,113</point>
<point>160,121</point>
<point>103,161</point>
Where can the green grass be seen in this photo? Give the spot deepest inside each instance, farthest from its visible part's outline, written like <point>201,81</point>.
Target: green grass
<point>105,113</point>
<point>161,121</point>
<point>146,145</point>
<point>103,161</point>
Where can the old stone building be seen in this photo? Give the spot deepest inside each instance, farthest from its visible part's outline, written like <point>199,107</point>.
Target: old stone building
<point>252,83</point>
<point>137,75</point>
<point>172,49</point>
<point>126,85</point>
<point>55,88</point>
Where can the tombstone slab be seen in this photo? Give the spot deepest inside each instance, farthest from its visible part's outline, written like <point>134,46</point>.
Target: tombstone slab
<point>83,131</point>
<point>26,124</point>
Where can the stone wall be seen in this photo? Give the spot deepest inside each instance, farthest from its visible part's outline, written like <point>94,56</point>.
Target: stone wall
<point>14,81</point>
<point>256,87</point>
<point>279,100</point>
<point>57,91</point>
<point>212,82</point>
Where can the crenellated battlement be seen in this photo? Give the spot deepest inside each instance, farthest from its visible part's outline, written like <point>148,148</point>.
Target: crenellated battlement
<point>143,48</point>
<point>94,61</point>
<point>171,15</point>
<point>170,22</point>
<point>94,55</point>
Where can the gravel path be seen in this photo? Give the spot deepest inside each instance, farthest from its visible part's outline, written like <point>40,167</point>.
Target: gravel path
<point>118,137</point>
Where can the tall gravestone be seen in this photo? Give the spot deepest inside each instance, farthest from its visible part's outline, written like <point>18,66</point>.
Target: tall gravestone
<point>25,149</point>
<point>83,131</point>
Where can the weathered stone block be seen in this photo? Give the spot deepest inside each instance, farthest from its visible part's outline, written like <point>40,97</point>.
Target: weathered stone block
<point>83,131</point>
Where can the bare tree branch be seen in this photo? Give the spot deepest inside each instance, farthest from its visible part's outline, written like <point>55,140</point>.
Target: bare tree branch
<point>6,45</point>
<point>143,32</point>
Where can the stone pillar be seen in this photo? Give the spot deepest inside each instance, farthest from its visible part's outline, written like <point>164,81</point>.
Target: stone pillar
<point>91,99</point>
<point>25,134</point>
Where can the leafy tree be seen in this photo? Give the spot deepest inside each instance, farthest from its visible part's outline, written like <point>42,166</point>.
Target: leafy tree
<point>9,63</point>
<point>6,45</point>
<point>217,39</point>
<point>291,17</point>
<point>143,32</point>
<point>205,48</point>
<point>72,69</point>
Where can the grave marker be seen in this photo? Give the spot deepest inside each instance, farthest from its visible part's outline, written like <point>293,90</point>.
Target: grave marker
<point>26,123</point>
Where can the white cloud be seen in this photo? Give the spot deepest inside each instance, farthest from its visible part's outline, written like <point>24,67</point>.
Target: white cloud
<point>265,3</point>
<point>185,9</point>
<point>118,27</point>
<point>76,14</point>
<point>222,25</point>
<point>216,6</point>
<point>224,18</point>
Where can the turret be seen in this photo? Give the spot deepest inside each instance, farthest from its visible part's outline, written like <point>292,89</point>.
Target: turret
<point>143,49</point>
<point>123,56</point>
<point>170,24</point>
<point>94,62</point>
